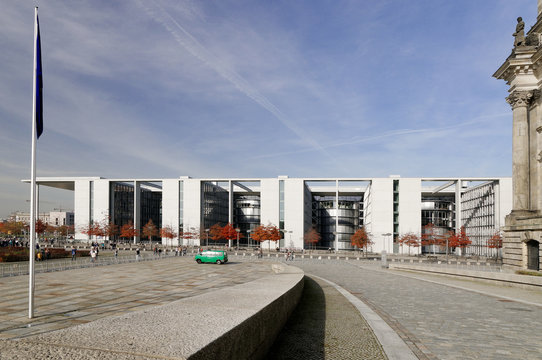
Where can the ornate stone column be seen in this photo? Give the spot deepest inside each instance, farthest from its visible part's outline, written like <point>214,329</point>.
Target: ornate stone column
<point>520,100</point>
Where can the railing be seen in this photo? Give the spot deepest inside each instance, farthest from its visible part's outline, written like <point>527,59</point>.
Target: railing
<point>21,268</point>
<point>465,264</point>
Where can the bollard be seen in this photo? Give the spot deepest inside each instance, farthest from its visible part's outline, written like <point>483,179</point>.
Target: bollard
<point>384,260</point>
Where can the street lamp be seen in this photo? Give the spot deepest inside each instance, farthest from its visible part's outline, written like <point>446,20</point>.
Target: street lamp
<point>290,232</point>
<point>238,230</point>
<point>207,240</point>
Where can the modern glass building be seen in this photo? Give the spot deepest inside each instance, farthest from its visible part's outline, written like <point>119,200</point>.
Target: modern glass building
<point>386,207</point>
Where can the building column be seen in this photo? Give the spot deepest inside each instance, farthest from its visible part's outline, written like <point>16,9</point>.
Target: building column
<point>137,210</point>
<point>458,207</point>
<point>336,215</point>
<point>520,100</point>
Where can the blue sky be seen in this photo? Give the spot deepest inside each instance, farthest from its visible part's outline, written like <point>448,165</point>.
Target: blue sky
<point>162,89</point>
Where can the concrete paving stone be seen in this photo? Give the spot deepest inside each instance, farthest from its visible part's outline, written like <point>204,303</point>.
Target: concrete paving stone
<point>76,296</point>
<point>444,322</point>
<point>326,326</point>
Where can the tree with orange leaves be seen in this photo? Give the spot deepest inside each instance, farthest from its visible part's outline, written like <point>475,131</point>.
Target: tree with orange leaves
<point>150,230</point>
<point>128,231</point>
<point>259,234</point>
<point>273,234</point>
<point>229,233</point>
<point>215,232</point>
<point>91,229</point>
<point>361,239</point>
<point>495,242</point>
<point>459,239</point>
<point>168,232</point>
<point>40,227</point>
<point>430,236</point>
<point>312,237</point>
<point>410,240</point>
<point>110,229</point>
<point>266,233</point>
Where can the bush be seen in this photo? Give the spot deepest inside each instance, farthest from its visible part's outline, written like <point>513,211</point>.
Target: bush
<point>12,254</point>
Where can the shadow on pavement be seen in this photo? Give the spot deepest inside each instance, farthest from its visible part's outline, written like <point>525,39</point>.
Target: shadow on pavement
<point>303,335</point>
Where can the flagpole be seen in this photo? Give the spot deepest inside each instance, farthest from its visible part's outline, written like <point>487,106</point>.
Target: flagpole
<point>33,206</point>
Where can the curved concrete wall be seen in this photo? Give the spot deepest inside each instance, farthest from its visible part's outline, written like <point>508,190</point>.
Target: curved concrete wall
<point>238,322</point>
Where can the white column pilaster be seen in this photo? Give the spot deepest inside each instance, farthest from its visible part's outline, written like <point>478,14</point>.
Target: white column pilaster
<point>137,209</point>
<point>519,100</point>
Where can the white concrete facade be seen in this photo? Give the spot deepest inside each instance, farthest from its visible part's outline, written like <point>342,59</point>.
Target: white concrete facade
<point>391,206</point>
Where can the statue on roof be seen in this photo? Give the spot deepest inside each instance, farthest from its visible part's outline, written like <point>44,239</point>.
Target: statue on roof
<point>520,33</point>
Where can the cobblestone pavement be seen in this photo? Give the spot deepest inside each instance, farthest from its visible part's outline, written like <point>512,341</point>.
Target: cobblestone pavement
<point>442,322</point>
<point>72,297</point>
<point>325,325</point>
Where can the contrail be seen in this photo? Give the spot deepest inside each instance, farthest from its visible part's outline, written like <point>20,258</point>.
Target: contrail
<point>192,45</point>
<point>388,134</point>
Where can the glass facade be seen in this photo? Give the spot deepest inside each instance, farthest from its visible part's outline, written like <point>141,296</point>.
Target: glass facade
<point>439,211</point>
<point>343,219</point>
<point>395,235</point>
<point>122,203</point>
<point>151,209</point>
<point>246,214</point>
<point>215,201</point>
<point>478,216</point>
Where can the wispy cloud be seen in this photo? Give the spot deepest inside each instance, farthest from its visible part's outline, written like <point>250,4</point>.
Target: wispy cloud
<point>191,44</point>
<point>439,132</point>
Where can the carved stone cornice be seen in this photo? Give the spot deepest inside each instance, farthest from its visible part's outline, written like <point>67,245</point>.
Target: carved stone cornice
<point>522,98</point>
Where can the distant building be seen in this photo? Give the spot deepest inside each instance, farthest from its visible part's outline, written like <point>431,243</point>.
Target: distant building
<point>336,207</point>
<point>56,218</point>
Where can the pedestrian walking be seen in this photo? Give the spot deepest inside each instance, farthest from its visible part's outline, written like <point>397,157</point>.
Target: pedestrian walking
<point>93,255</point>
<point>137,254</point>
<point>74,253</point>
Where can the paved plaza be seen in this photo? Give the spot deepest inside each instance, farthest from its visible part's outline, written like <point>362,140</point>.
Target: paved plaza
<point>437,317</point>
<point>67,298</point>
<point>441,317</point>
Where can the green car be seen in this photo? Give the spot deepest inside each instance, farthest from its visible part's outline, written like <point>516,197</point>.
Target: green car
<point>212,256</point>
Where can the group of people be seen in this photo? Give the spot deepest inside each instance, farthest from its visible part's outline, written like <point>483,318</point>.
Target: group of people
<point>94,251</point>
<point>42,254</point>
<point>12,242</point>
<point>289,255</point>
<point>180,251</point>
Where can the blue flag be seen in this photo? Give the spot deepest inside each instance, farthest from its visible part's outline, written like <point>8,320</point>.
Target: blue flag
<point>39,83</point>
